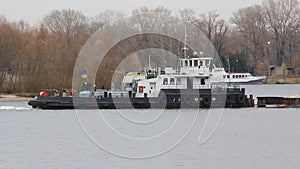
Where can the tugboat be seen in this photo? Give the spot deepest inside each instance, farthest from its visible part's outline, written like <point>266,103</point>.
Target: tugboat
<point>188,86</point>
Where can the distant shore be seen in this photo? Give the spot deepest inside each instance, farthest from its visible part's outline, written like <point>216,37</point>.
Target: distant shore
<point>283,80</point>
<point>12,97</point>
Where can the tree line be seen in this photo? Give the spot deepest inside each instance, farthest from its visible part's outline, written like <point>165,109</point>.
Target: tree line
<point>43,56</point>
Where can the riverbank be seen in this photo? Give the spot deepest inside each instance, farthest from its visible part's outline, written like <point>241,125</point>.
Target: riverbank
<point>283,80</point>
<point>13,97</point>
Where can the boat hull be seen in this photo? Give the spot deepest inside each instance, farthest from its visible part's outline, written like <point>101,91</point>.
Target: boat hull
<point>168,99</point>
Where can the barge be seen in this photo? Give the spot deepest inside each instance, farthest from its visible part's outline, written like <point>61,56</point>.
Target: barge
<point>279,101</point>
<point>188,86</point>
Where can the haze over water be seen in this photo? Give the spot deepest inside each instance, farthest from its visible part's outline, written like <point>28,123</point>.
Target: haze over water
<point>246,138</point>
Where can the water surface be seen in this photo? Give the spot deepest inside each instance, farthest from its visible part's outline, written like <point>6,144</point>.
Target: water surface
<point>246,138</point>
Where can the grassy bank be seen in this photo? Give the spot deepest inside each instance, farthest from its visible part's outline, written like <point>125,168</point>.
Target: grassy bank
<point>16,96</point>
<point>24,94</point>
<point>283,80</point>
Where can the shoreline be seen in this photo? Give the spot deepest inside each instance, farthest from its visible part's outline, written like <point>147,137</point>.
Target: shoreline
<point>283,80</point>
<point>12,97</point>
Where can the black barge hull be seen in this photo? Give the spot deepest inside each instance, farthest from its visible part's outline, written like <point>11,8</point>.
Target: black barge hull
<point>168,99</point>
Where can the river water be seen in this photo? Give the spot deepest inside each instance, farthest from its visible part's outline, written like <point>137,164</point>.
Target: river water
<point>245,138</point>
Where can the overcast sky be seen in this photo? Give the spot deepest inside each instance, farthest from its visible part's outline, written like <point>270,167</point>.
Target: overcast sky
<point>34,10</point>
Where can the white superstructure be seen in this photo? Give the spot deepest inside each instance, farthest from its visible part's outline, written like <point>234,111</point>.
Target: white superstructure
<point>220,75</point>
<point>193,73</point>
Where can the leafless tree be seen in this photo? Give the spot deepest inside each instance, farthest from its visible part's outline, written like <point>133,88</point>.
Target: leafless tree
<point>214,28</point>
<point>250,24</point>
<point>69,27</point>
<point>283,18</point>
<point>102,19</point>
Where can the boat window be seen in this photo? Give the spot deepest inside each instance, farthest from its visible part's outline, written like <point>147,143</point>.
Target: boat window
<point>240,76</point>
<point>201,63</point>
<point>191,63</point>
<point>243,76</point>
<point>233,76</point>
<point>165,81</point>
<point>186,63</point>
<point>195,63</point>
<point>178,81</point>
<point>228,76</point>
<point>207,63</point>
<point>172,81</point>
<point>202,81</point>
<point>224,76</point>
<point>246,75</point>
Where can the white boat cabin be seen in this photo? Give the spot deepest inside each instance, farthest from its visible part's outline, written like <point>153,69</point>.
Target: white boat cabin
<point>193,73</point>
<point>220,75</point>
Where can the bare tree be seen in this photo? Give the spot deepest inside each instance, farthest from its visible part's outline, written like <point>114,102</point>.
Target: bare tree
<point>69,27</point>
<point>103,19</point>
<point>214,28</point>
<point>187,15</point>
<point>66,23</point>
<point>283,17</point>
<point>250,23</point>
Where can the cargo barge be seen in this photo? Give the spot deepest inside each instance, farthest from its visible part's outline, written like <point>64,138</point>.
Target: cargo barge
<point>279,101</point>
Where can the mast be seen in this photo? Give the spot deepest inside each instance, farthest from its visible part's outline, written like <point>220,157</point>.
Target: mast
<point>149,61</point>
<point>228,65</point>
<point>185,39</point>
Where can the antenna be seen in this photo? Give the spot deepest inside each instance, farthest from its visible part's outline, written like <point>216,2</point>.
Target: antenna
<point>185,39</point>
<point>149,61</point>
<point>228,65</point>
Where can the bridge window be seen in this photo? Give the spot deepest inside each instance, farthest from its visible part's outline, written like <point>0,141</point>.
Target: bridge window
<point>186,63</point>
<point>202,81</point>
<point>172,81</point>
<point>165,81</point>
<point>207,62</point>
<point>195,63</point>
<point>191,63</point>
<point>178,81</point>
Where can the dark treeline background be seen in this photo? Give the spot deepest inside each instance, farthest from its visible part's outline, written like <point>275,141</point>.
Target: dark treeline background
<point>43,56</point>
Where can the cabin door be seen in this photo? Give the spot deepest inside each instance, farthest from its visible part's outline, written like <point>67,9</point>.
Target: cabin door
<point>190,83</point>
